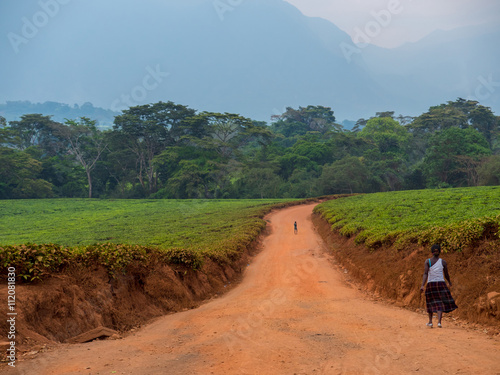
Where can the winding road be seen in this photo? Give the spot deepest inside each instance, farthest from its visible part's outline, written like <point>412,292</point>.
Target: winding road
<point>293,313</point>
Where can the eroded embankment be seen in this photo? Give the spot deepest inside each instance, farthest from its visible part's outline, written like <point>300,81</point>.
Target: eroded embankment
<point>397,274</point>
<point>82,296</point>
<point>80,299</point>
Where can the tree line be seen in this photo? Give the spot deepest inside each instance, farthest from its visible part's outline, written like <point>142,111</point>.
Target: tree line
<point>168,150</point>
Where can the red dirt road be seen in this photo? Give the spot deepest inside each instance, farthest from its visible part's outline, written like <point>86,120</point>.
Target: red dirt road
<point>292,313</point>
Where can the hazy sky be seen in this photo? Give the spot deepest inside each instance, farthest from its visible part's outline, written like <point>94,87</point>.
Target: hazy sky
<point>401,21</point>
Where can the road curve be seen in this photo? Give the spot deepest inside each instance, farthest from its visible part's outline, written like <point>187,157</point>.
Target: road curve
<point>292,313</point>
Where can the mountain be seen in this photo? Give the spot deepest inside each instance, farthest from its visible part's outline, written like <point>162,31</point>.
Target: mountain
<point>442,66</point>
<point>13,110</point>
<point>255,58</point>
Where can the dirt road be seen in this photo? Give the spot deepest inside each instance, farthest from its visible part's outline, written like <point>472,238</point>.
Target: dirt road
<point>293,313</point>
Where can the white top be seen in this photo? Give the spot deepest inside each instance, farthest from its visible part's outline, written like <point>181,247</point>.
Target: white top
<point>436,272</point>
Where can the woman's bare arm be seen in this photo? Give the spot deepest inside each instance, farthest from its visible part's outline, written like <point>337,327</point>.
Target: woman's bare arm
<point>445,272</point>
<point>424,278</point>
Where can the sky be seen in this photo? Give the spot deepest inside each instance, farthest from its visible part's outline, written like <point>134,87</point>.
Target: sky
<point>400,21</point>
<point>62,59</point>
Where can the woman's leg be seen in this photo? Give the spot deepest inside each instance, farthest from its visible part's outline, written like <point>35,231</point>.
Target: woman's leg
<point>440,315</point>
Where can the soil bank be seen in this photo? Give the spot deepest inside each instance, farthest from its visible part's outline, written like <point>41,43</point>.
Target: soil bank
<point>292,313</point>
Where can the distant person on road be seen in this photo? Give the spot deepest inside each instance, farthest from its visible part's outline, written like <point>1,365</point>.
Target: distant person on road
<point>437,295</point>
<point>295,230</point>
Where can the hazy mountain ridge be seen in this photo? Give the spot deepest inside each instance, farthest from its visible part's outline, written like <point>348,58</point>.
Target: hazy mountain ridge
<point>13,110</point>
<point>255,59</point>
<point>446,64</point>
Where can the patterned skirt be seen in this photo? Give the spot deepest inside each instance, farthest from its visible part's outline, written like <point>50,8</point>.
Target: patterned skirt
<point>438,297</point>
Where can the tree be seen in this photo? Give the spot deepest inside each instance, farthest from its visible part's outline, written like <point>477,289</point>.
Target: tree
<point>461,113</point>
<point>389,114</point>
<point>303,184</point>
<point>7,135</point>
<point>444,160</point>
<point>315,151</point>
<point>312,118</point>
<point>85,143</point>
<point>259,182</point>
<point>348,175</point>
<point>405,120</point>
<point>37,130</point>
<point>226,138</point>
<point>179,166</point>
<point>19,174</point>
<point>192,180</point>
<point>347,143</point>
<point>469,166</point>
<point>388,161</point>
<point>359,125</point>
<point>227,133</point>
<point>120,164</point>
<point>439,118</point>
<point>483,120</point>
<point>387,134</point>
<point>148,130</point>
<point>290,162</point>
<point>67,177</point>
<point>489,171</point>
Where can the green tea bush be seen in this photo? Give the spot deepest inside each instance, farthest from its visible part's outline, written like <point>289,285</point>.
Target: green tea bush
<point>33,261</point>
<point>114,234</point>
<point>453,217</point>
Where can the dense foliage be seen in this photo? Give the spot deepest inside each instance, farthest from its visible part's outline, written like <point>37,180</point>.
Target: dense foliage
<point>455,218</point>
<point>48,235</point>
<point>168,150</point>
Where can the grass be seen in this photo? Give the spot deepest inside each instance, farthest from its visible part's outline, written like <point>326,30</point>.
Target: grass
<point>453,217</point>
<point>163,223</point>
<point>41,236</point>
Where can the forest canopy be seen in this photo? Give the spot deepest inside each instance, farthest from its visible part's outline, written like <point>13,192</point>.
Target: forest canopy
<point>168,150</point>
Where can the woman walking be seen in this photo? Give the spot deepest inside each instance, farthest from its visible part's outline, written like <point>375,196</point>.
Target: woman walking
<point>437,295</point>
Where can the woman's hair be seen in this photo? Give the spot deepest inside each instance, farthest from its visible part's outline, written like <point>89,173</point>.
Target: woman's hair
<point>436,247</point>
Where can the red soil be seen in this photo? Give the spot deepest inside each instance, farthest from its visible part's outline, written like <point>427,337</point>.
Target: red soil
<point>294,312</point>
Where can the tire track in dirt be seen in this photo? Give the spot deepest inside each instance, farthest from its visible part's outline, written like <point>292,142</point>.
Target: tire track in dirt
<point>292,313</point>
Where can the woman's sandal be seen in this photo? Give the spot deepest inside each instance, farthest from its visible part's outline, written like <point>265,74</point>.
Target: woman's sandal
<point>429,325</point>
<point>439,325</point>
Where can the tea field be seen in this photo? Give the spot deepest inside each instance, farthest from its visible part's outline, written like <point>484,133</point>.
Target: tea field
<point>164,223</point>
<point>453,217</point>
<point>41,236</point>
